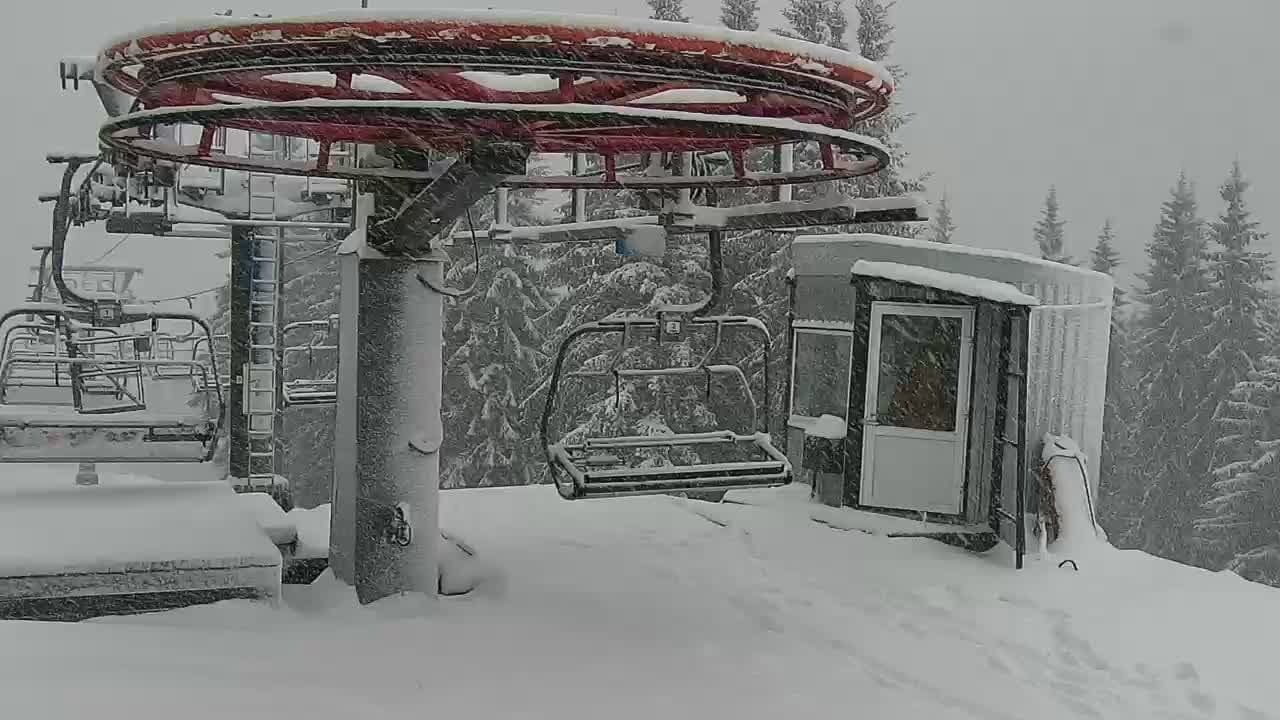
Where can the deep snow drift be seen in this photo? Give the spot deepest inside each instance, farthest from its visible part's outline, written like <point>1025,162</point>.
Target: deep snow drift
<point>666,608</point>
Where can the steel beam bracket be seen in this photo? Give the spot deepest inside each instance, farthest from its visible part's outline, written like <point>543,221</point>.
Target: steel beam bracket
<point>421,217</point>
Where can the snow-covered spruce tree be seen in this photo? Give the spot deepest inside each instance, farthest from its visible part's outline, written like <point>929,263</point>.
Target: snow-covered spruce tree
<point>875,42</point>
<point>1050,229</point>
<point>1240,531</point>
<point>493,354</point>
<point>740,14</point>
<point>807,20</point>
<point>1174,419</point>
<point>942,227</point>
<point>672,10</point>
<point>1237,333</point>
<point>837,22</point>
<point>1239,273</point>
<point>1117,509</point>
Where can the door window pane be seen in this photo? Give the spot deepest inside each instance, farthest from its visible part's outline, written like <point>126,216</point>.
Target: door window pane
<point>820,385</point>
<point>919,376</point>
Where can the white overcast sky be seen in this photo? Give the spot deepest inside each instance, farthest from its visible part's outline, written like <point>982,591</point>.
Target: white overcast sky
<point>1107,99</point>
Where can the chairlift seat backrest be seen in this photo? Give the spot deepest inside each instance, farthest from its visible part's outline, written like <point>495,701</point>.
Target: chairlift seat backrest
<point>624,465</point>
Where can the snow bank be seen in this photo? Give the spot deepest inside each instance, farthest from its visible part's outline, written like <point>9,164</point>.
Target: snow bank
<point>462,568</point>
<point>312,528</point>
<point>663,608</point>
<point>951,282</point>
<point>127,526</point>
<point>829,427</point>
<point>1078,530</point>
<point>273,520</point>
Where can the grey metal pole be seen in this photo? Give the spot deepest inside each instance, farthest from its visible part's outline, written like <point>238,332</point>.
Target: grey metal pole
<point>384,520</point>
<point>385,513</point>
<point>238,342</point>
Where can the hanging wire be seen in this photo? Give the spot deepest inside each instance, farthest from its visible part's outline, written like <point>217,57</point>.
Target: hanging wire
<point>216,287</point>
<point>113,248</point>
<point>475,276</point>
<point>310,255</point>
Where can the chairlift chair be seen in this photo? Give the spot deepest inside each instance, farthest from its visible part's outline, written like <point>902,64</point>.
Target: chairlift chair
<point>311,391</point>
<point>597,467</point>
<point>103,411</point>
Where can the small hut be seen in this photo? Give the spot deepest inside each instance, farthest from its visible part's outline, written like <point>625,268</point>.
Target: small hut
<point>941,368</point>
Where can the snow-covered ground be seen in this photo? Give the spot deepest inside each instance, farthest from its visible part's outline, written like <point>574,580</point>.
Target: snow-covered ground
<point>666,608</point>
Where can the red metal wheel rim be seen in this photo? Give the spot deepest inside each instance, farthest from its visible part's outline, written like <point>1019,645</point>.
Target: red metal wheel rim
<point>565,128</point>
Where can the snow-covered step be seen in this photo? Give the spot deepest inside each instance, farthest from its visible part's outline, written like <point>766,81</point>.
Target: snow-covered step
<point>68,552</point>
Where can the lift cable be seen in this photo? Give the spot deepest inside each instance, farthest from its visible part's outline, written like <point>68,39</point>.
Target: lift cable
<point>112,249</point>
<point>216,288</point>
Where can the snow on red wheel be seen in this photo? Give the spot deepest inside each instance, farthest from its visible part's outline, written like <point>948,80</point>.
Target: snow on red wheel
<point>441,79</point>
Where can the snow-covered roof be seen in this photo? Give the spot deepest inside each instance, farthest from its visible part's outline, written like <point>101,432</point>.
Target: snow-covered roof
<point>951,282</point>
<point>949,248</point>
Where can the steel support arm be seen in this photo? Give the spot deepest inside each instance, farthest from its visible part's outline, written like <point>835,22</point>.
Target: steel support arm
<point>423,216</point>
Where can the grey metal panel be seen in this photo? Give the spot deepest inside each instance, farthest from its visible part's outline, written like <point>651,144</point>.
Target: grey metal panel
<point>342,519</point>
<point>824,297</point>
<point>988,342</point>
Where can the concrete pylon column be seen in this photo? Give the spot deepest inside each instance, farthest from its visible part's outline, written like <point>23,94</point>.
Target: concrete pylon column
<point>385,513</point>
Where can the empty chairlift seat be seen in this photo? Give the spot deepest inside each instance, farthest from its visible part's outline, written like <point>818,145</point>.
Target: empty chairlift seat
<point>667,462</point>
<point>105,398</point>
<point>597,467</point>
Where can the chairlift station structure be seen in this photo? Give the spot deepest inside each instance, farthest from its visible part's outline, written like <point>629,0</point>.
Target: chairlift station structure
<point>385,129</point>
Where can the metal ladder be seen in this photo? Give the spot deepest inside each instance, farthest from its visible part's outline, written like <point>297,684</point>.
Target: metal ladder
<point>261,382</point>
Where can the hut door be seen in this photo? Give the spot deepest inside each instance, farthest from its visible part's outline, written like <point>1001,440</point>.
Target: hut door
<point>916,408</point>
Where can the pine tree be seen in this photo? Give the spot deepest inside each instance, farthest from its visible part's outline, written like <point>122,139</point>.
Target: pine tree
<point>942,227</point>
<point>672,10</point>
<point>807,20</point>
<point>875,43</point>
<point>1239,529</point>
<point>1238,296</point>
<point>493,354</point>
<point>1049,230</point>
<point>875,31</point>
<point>1173,426</point>
<point>1236,336</point>
<point>740,14</point>
<point>837,22</point>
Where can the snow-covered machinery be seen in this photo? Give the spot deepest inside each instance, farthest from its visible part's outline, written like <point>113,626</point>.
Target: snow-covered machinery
<point>446,107</point>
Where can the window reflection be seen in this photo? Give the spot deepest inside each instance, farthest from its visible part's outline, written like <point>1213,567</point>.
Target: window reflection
<point>919,375</point>
<point>821,374</point>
